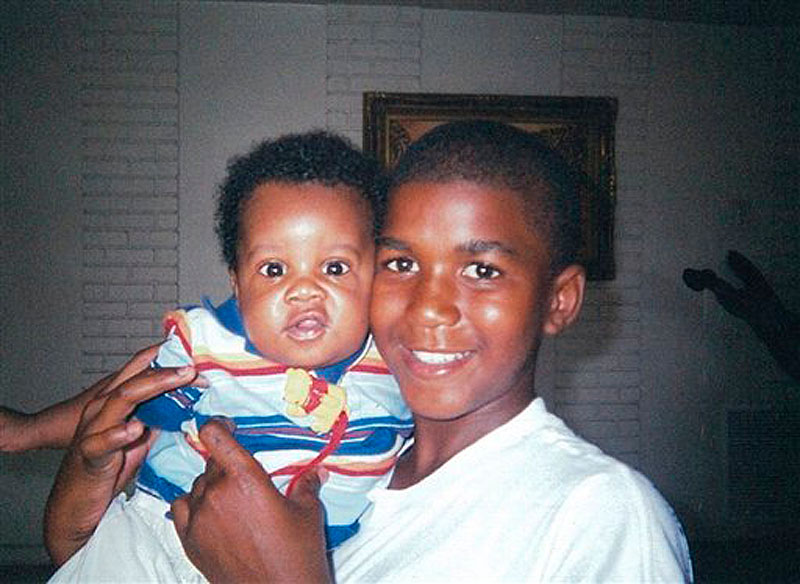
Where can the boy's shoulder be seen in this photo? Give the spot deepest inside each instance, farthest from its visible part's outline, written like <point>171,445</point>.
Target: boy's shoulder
<point>541,443</point>
<point>542,465</point>
<point>207,319</point>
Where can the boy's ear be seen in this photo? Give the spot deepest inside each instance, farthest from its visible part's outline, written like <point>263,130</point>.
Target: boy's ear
<point>566,299</point>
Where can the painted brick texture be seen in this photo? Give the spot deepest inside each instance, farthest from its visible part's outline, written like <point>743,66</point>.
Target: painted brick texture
<point>369,48</point>
<point>599,365</point>
<point>129,121</point>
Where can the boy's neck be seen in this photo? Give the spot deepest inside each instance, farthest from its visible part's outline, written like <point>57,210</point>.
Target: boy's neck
<point>437,441</point>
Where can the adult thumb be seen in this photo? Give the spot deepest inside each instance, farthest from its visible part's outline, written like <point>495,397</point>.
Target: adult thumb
<point>304,489</point>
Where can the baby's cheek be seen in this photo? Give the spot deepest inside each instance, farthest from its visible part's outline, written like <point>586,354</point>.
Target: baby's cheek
<point>353,318</point>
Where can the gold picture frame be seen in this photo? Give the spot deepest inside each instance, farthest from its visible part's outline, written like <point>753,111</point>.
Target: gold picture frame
<point>580,128</point>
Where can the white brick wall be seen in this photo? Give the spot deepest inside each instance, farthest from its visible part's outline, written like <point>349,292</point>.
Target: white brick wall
<point>129,120</point>
<point>599,367</point>
<point>369,48</point>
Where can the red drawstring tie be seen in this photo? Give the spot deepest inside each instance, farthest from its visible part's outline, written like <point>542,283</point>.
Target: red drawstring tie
<point>336,434</point>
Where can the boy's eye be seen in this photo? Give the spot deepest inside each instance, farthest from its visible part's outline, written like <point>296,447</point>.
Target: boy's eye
<point>335,268</point>
<point>404,265</point>
<point>272,270</point>
<point>481,271</point>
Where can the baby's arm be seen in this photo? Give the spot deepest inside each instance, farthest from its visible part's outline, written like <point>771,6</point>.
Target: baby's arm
<point>54,426</point>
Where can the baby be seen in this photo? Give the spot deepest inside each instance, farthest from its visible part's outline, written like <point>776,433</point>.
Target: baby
<point>288,357</point>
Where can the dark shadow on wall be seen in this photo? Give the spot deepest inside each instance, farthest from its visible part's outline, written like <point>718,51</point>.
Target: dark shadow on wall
<point>756,303</point>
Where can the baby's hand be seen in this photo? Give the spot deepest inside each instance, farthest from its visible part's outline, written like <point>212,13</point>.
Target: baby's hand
<point>305,394</point>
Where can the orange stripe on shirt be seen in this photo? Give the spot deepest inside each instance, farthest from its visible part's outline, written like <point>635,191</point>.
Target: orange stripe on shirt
<point>175,322</point>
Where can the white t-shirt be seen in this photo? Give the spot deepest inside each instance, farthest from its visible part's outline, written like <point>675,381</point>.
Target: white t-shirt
<point>530,501</point>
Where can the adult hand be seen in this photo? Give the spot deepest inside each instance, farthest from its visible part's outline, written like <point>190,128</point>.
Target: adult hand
<point>106,450</point>
<point>236,527</point>
<point>55,425</point>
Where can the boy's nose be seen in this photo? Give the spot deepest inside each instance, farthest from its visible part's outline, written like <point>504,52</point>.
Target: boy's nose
<point>434,304</point>
<point>303,289</point>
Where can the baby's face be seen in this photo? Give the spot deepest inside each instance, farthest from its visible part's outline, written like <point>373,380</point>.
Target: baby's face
<point>304,273</point>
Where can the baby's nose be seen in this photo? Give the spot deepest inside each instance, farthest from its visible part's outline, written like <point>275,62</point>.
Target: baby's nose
<point>303,289</point>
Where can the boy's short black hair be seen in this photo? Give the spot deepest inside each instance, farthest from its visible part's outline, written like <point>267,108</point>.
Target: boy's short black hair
<point>497,154</point>
<point>312,157</point>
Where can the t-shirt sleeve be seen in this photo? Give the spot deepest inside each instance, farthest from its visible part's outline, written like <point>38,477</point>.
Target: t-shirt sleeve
<point>169,410</point>
<point>616,527</point>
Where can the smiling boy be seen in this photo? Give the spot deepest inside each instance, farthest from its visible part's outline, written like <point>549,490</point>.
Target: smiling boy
<point>493,488</point>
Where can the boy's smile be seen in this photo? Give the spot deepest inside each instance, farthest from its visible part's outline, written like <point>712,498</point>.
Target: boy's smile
<point>459,305</point>
<point>304,272</point>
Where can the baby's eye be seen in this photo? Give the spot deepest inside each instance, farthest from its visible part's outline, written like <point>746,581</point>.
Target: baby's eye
<point>335,268</point>
<point>402,265</point>
<point>481,271</point>
<point>272,270</point>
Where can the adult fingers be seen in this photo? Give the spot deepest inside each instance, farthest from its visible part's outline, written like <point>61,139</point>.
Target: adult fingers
<point>198,487</point>
<point>96,449</point>
<point>121,402</point>
<point>180,515</point>
<point>136,453</point>
<point>139,362</point>
<point>227,454</point>
<point>306,488</point>
<point>184,507</point>
<point>90,412</point>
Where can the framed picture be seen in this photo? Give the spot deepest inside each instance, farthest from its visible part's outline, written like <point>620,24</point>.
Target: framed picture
<point>580,128</point>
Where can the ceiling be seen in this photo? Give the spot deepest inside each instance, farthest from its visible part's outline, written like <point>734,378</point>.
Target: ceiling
<point>742,12</point>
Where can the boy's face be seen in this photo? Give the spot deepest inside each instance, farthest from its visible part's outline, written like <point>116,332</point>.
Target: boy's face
<point>460,300</point>
<point>304,272</point>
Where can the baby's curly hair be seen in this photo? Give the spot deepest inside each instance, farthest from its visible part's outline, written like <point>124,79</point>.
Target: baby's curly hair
<point>494,153</point>
<point>313,157</point>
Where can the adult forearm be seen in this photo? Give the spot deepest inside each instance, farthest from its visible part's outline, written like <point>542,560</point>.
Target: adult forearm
<point>52,427</point>
<point>55,426</point>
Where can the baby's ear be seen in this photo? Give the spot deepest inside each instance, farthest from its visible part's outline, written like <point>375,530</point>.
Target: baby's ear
<point>232,279</point>
<point>566,299</point>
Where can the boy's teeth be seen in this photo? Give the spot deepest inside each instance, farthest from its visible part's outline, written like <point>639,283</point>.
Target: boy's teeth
<point>437,358</point>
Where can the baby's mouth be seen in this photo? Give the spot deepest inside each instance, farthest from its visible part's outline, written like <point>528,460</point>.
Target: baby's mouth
<point>307,326</point>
